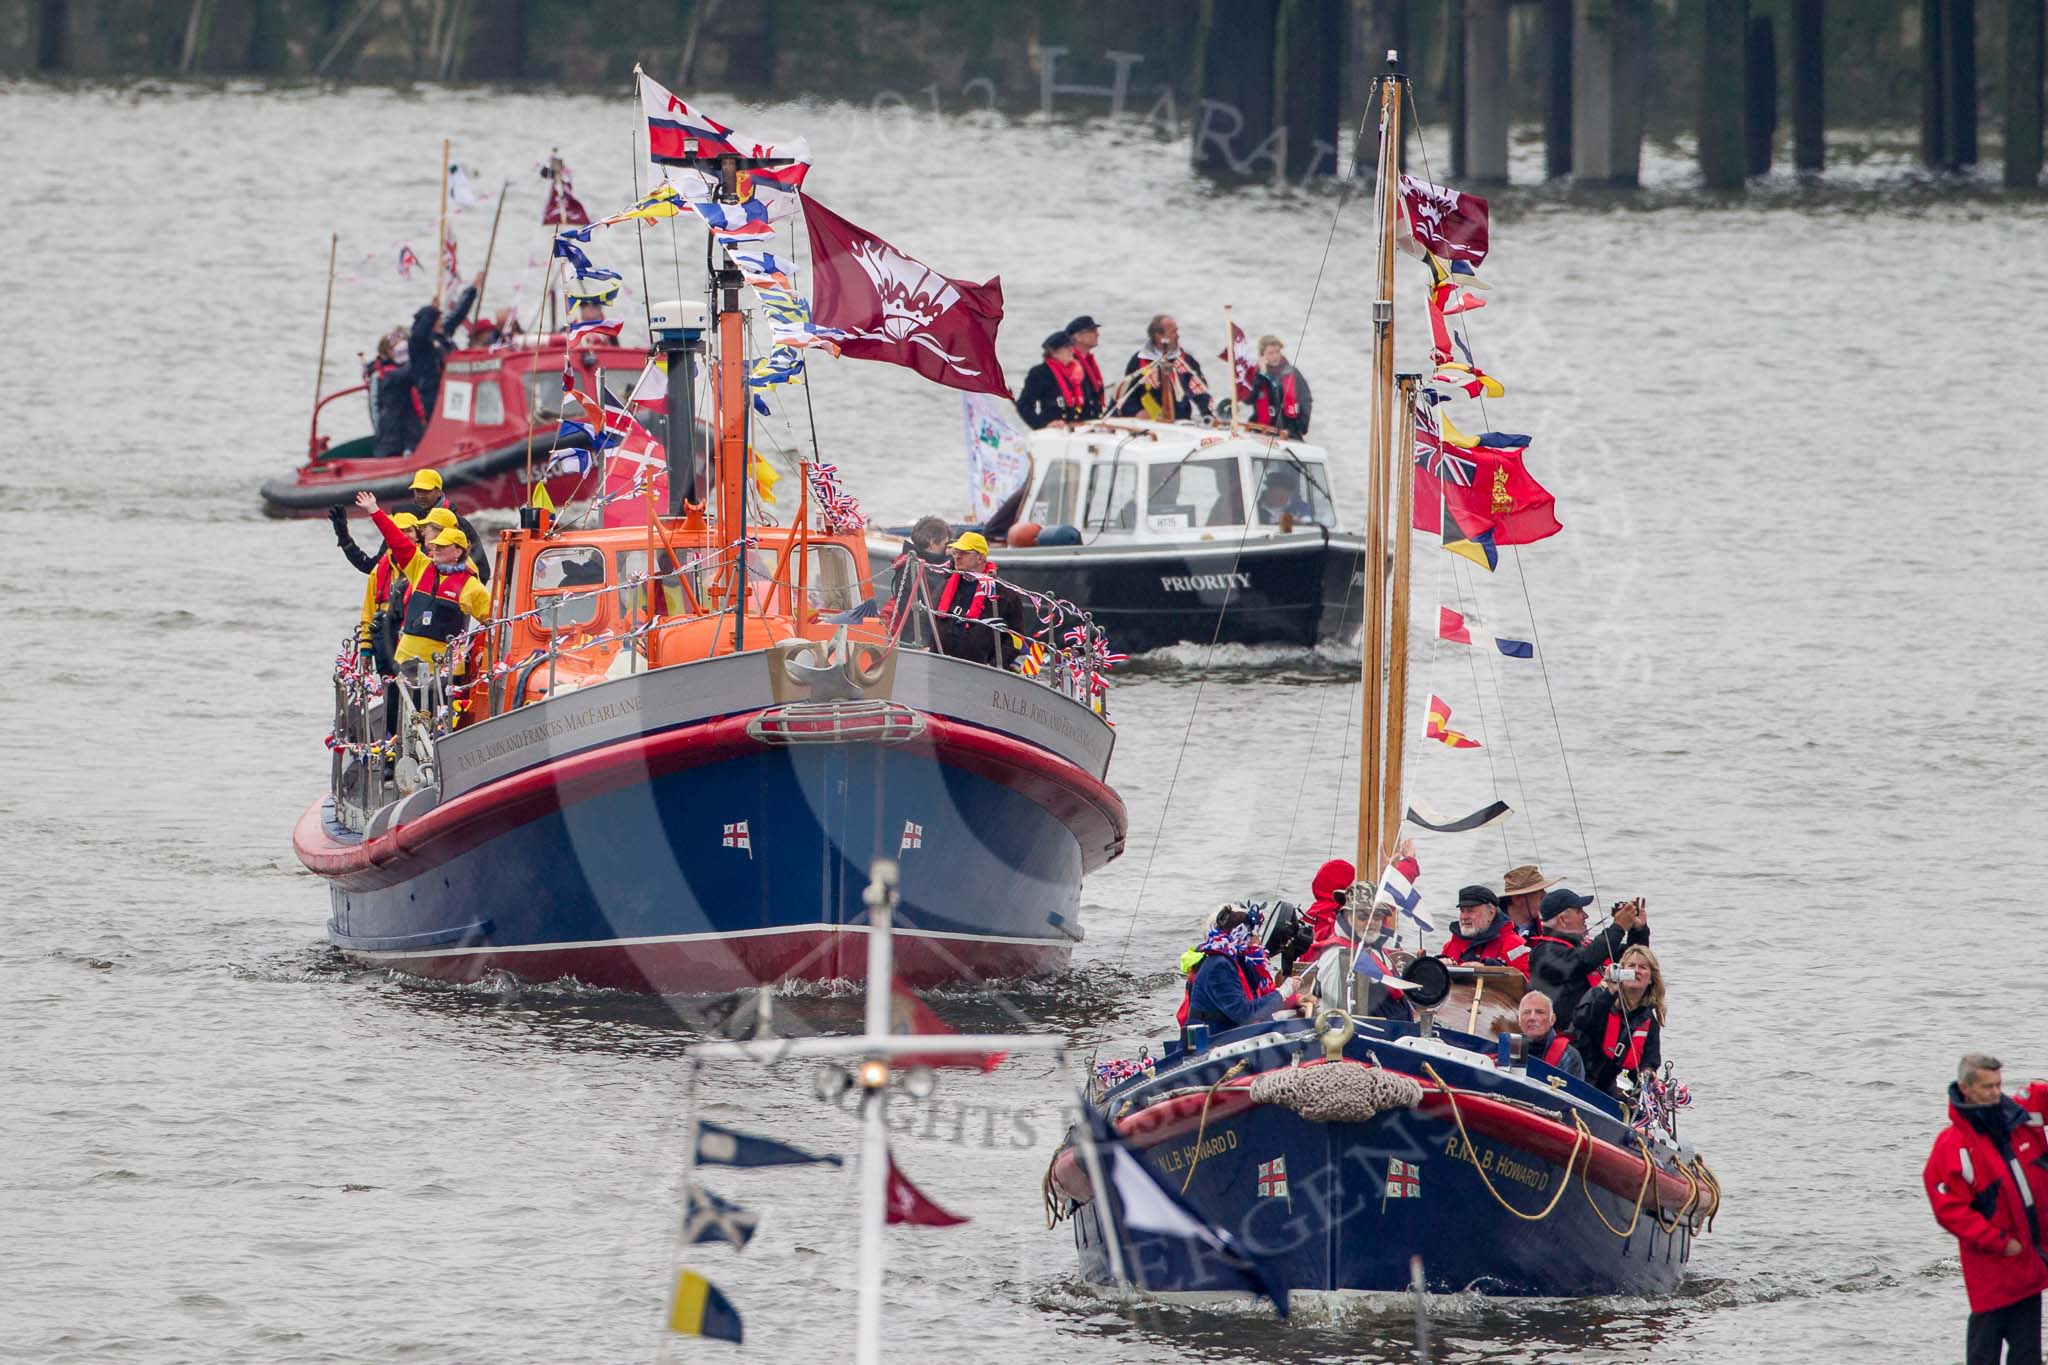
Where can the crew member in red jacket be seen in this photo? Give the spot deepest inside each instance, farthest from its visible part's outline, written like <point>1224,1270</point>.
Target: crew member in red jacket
<point>1331,886</point>
<point>1987,1179</point>
<point>1484,934</point>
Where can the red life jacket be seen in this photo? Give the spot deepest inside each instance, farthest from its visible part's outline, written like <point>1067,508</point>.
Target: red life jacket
<point>1553,1055</point>
<point>1611,1044</point>
<point>425,614</point>
<point>1091,374</point>
<point>1069,378</point>
<point>983,592</point>
<point>1505,949</point>
<point>1187,989</point>
<point>1290,402</point>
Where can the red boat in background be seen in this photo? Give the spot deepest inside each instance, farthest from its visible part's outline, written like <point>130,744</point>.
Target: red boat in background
<point>491,431</point>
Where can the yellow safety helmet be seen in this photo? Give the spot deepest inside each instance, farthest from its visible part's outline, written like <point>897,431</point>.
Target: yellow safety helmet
<point>970,540</point>
<point>427,478</point>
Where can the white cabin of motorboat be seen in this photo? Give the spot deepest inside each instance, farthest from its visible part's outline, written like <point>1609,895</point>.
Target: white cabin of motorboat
<point>1136,481</point>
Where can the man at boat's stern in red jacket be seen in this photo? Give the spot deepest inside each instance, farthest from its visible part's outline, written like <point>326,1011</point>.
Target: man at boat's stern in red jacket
<point>1987,1179</point>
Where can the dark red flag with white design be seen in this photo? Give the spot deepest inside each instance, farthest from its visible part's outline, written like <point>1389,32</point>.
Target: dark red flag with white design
<point>1244,366</point>
<point>909,1204</point>
<point>1449,222</point>
<point>878,304</point>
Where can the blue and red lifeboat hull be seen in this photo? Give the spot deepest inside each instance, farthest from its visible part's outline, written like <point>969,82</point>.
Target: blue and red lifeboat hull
<point>711,855</point>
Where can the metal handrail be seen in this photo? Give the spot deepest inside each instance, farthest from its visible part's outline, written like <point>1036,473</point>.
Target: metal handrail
<point>313,444</point>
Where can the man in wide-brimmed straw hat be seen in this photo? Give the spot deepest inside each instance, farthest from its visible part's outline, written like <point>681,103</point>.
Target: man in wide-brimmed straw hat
<point>1521,895</point>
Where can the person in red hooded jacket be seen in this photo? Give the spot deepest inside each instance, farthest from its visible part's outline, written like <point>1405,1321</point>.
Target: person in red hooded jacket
<point>1987,1179</point>
<point>1332,885</point>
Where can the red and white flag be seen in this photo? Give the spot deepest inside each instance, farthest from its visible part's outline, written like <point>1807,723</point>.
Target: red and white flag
<point>913,836</point>
<point>909,1204</point>
<point>1244,366</point>
<point>875,303</point>
<point>1404,1179</point>
<point>736,837</point>
<point>633,467</point>
<point>909,1014</point>
<point>1448,222</point>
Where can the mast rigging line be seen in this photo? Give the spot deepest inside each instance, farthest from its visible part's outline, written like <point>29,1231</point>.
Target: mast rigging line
<point>1208,658</point>
<point>1535,636</point>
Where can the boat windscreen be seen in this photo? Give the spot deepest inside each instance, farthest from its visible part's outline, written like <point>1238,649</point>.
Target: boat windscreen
<point>1182,494</point>
<point>1299,487</point>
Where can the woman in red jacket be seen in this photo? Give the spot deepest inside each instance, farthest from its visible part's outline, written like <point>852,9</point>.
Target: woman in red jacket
<point>1987,1179</point>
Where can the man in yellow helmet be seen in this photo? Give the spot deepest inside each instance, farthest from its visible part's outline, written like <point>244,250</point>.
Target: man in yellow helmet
<point>430,495</point>
<point>444,588</point>
<point>977,617</point>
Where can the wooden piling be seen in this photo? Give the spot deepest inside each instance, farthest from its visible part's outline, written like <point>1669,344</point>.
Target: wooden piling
<point>1948,73</point>
<point>1454,82</point>
<point>1959,83</point>
<point>1759,95</point>
<point>1610,52</point>
<point>1235,115</point>
<point>1486,92</point>
<point>1308,81</point>
<point>1809,84</point>
<point>1557,88</point>
<point>1721,92</point>
<point>2024,43</point>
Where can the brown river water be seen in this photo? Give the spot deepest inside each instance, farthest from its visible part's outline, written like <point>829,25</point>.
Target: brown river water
<point>1789,632</point>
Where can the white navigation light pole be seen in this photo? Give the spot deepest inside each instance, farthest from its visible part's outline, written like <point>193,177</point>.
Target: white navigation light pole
<point>876,1048</point>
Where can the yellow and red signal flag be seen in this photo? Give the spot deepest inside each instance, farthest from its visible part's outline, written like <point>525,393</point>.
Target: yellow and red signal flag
<point>1439,728</point>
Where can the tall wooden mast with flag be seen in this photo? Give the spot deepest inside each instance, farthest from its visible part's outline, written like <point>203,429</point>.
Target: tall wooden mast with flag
<point>1379,774</point>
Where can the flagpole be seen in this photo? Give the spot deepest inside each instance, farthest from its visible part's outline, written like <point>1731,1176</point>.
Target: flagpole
<point>441,233</point>
<point>490,250</point>
<point>1373,634</point>
<point>874,1075</point>
<point>326,312</point>
<point>1230,349</point>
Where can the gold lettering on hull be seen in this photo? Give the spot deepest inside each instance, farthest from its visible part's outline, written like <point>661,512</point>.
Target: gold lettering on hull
<point>1497,1163</point>
<point>1177,1159</point>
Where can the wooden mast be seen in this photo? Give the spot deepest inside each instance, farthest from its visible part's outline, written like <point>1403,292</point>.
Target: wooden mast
<point>441,231</point>
<point>1397,632</point>
<point>1370,755</point>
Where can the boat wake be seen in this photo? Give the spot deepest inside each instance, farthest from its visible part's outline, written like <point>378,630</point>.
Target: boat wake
<point>1329,661</point>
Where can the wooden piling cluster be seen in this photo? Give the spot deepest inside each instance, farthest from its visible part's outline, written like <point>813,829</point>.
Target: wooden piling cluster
<point>1593,60</point>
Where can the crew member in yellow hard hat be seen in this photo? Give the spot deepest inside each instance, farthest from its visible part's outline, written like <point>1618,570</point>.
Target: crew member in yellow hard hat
<point>441,519</point>
<point>428,494</point>
<point>444,587</point>
<point>977,617</point>
<point>384,597</point>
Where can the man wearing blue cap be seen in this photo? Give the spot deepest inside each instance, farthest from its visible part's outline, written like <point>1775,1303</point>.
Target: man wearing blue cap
<point>1564,963</point>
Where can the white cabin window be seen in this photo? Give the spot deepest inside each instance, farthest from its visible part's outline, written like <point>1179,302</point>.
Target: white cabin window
<point>1053,504</point>
<point>1301,487</point>
<point>1184,494</point>
<point>1113,497</point>
<point>489,409</point>
<point>455,396</point>
<point>563,580</point>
